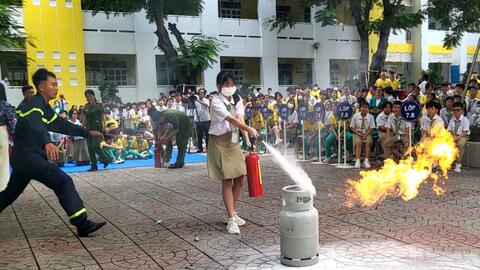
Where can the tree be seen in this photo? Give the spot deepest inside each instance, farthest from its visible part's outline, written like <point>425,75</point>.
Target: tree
<point>108,92</point>
<point>206,48</point>
<point>395,17</point>
<point>458,16</point>
<point>10,36</point>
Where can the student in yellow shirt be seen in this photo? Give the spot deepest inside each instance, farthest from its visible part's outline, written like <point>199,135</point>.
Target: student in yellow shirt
<point>395,83</point>
<point>311,135</point>
<point>111,149</point>
<point>333,136</point>
<point>139,149</point>
<point>258,123</point>
<point>383,81</point>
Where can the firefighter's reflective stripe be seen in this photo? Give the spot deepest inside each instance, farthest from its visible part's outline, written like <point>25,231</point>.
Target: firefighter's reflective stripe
<point>25,114</point>
<point>77,214</point>
<point>45,120</point>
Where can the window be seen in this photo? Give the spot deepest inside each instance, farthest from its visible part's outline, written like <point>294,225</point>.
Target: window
<point>73,82</point>
<point>309,73</point>
<point>72,68</point>
<point>106,71</point>
<point>237,71</point>
<point>68,3</point>
<point>230,9</point>
<point>40,55</point>
<point>408,36</point>
<point>36,2</point>
<point>57,68</point>
<point>56,55</point>
<point>59,82</point>
<point>307,15</point>
<point>285,74</point>
<point>283,11</point>
<point>72,55</point>
<point>334,74</point>
<point>40,66</point>
<point>164,72</point>
<point>52,3</point>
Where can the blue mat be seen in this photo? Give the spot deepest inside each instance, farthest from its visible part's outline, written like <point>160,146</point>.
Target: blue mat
<point>189,158</point>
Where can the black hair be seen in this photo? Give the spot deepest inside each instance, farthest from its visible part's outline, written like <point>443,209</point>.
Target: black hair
<point>388,103</point>
<point>397,102</point>
<point>460,85</point>
<point>362,103</point>
<point>473,87</point>
<point>25,88</point>
<point>448,98</point>
<point>63,111</point>
<point>3,94</point>
<point>41,75</point>
<point>427,85</point>
<point>225,76</point>
<point>107,137</point>
<point>364,90</point>
<point>457,105</point>
<point>89,92</point>
<point>432,104</point>
<point>412,84</point>
<point>444,84</point>
<point>388,90</point>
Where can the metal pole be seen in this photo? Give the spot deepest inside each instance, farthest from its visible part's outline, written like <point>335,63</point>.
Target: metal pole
<point>344,143</point>
<point>284,137</point>
<point>303,139</point>
<point>339,143</point>
<point>472,67</point>
<point>266,135</point>
<point>319,143</point>
<point>410,139</point>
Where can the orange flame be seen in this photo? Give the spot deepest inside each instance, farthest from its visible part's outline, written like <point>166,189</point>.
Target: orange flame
<point>404,178</point>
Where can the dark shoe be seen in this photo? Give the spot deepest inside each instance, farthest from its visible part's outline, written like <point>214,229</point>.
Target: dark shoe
<point>175,166</point>
<point>93,168</point>
<point>89,227</point>
<point>200,151</point>
<point>105,164</point>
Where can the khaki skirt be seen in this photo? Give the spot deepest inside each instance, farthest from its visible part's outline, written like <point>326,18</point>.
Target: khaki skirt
<point>225,159</point>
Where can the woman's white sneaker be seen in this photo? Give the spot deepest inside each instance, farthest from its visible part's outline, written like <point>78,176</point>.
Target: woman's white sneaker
<point>240,221</point>
<point>232,226</point>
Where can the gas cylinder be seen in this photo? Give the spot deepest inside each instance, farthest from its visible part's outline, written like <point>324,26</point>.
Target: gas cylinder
<point>298,228</point>
<point>254,174</point>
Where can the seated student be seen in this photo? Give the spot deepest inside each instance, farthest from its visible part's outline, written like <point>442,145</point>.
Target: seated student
<point>311,136</point>
<point>274,126</point>
<point>333,135</point>
<point>139,149</point>
<point>447,113</point>
<point>459,126</point>
<point>292,121</point>
<point>397,132</point>
<point>142,129</point>
<point>258,123</point>
<point>361,126</point>
<point>382,129</point>
<point>431,119</point>
<point>111,149</point>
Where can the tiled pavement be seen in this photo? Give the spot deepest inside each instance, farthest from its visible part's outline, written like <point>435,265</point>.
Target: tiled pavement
<point>428,232</point>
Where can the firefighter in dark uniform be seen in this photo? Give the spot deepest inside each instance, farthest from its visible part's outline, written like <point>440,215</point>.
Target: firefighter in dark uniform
<point>33,148</point>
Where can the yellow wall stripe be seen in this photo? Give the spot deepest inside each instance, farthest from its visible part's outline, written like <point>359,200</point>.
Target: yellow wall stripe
<point>438,49</point>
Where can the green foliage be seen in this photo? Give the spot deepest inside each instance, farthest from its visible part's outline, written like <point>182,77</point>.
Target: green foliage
<point>458,16</point>
<point>280,23</point>
<point>108,92</point>
<point>436,77</point>
<point>199,53</point>
<point>10,36</point>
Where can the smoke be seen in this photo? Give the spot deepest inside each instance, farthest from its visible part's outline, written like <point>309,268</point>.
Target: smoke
<point>297,174</point>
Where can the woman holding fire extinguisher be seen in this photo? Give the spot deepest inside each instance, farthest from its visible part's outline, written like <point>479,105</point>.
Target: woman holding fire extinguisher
<point>226,161</point>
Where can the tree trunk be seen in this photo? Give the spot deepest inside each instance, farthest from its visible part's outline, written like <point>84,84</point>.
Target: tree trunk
<point>191,77</point>
<point>363,33</point>
<point>165,44</point>
<point>378,58</point>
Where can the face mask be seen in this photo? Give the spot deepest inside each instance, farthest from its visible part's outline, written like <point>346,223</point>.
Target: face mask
<point>315,88</point>
<point>300,97</point>
<point>290,106</point>
<point>229,91</point>
<point>154,104</point>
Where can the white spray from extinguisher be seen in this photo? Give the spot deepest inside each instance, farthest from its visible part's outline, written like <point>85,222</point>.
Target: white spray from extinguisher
<point>298,175</point>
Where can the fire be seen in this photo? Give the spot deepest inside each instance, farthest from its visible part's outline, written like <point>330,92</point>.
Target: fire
<point>404,178</point>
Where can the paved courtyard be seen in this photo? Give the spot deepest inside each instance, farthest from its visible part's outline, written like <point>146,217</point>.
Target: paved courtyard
<point>428,232</point>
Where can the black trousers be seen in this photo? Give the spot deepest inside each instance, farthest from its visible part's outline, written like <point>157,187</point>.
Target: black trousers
<point>51,176</point>
<point>202,132</point>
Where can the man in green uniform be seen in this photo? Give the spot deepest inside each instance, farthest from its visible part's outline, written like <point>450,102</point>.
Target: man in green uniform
<point>169,124</point>
<point>95,121</point>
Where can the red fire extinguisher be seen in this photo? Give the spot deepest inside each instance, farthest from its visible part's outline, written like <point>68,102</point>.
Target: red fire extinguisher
<point>254,174</point>
<point>158,156</point>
